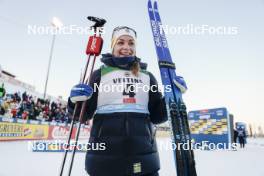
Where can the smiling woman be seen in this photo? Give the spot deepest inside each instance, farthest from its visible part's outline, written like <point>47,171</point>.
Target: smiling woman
<point>124,44</point>
<point>122,119</point>
<point>123,38</point>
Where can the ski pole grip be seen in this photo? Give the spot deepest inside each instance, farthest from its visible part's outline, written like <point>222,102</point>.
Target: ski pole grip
<point>94,45</point>
<point>99,22</point>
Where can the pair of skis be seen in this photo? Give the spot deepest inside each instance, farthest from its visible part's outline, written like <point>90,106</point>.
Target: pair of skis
<point>184,159</point>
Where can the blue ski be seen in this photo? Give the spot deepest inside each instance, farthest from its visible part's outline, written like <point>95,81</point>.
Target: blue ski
<point>184,159</point>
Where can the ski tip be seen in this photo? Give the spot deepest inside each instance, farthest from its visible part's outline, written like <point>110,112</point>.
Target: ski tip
<point>155,4</point>
<point>149,3</point>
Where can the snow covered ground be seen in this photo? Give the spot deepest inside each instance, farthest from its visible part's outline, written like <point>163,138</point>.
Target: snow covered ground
<point>17,160</point>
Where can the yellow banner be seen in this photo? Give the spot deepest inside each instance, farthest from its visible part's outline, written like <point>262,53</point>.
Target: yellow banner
<point>15,131</point>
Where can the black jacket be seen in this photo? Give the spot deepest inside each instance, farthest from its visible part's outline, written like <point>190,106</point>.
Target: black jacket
<point>129,137</point>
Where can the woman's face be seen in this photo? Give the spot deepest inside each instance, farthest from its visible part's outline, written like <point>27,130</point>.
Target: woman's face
<point>125,46</point>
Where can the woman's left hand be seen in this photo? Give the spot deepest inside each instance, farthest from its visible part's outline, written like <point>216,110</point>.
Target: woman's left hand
<point>180,83</point>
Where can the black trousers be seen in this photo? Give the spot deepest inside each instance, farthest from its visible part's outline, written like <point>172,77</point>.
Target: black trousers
<point>241,142</point>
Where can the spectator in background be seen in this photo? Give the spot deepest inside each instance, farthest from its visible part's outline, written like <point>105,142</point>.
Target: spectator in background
<point>21,109</point>
<point>46,112</point>
<point>30,108</point>
<point>33,108</point>
<point>17,97</point>
<point>45,116</point>
<point>241,137</point>
<point>37,110</point>
<point>25,115</point>
<point>5,106</point>
<point>40,117</point>
<point>24,96</point>
<point>53,106</point>
<point>14,112</point>
<point>59,115</point>
<point>2,91</point>
<point>235,135</point>
<point>13,108</point>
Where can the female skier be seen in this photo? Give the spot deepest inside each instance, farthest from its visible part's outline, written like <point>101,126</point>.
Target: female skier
<point>123,116</point>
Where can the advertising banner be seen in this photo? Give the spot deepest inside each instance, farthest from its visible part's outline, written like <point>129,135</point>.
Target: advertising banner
<point>17,131</point>
<point>211,127</point>
<point>62,132</point>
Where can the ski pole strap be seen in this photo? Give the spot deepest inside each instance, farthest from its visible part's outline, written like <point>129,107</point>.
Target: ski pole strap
<point>166,64</point>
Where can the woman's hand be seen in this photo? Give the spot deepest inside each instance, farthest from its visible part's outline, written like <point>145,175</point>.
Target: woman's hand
<point>81,92</point>
<point>180,83</point>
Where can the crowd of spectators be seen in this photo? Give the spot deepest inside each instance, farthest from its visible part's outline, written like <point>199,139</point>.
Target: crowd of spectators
<point>29,107</point>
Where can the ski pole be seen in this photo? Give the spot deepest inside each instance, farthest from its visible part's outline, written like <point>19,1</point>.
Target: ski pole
<point>94,48</point>
<point>80,120</point>
<point>73,122</point>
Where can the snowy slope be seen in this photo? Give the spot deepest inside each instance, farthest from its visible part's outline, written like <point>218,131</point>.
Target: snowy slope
<point>17,160</point>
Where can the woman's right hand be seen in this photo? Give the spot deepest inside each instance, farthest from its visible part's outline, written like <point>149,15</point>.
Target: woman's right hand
<point>81,92</point>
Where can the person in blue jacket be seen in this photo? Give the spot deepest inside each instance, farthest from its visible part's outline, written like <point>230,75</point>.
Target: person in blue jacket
<point>123,116</point>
